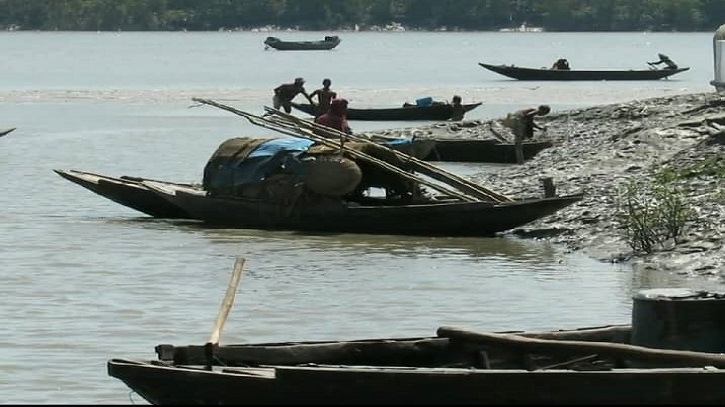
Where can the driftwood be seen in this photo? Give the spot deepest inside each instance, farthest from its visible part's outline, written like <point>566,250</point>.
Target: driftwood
<point>308,134</point>
<point>660,357</point>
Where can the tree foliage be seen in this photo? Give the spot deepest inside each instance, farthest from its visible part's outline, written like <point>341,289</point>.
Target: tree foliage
<point>471,15</point>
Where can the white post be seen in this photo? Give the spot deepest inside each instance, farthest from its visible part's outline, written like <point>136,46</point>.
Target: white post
<point>718,49</point>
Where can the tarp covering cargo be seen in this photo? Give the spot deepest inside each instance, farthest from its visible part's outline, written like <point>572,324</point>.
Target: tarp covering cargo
<point>252,167</point>
<point>279,168</point>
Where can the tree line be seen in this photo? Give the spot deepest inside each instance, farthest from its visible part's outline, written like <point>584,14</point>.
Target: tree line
<point>322,15</point>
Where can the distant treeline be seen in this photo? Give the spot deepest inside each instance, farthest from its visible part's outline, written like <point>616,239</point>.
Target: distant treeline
<point>322,15</point>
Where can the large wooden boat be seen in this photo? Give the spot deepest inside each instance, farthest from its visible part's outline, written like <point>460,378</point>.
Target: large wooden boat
<point>320,181</point>
<point>127,191</point>
<point>546,74</point>
<point>327,43</point>
<point>433,112</point>
<point>671,353</point>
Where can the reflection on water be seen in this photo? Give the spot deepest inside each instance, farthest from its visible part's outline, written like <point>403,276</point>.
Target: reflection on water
<point>501,249</point>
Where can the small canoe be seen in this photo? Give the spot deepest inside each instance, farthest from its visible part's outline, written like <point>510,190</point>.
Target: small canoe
<point>434,112</point>
<point>328,43</point>
<point>546,74</point>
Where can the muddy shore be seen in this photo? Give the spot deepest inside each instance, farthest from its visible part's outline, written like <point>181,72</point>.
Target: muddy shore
<point>598,151</point>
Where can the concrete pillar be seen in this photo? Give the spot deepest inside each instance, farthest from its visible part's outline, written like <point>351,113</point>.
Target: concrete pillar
<point>718,49</point>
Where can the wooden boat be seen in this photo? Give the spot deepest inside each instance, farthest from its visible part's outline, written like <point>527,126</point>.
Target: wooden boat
<point>435,112</point>
<point>314,182</point>
<point>363,215</point>
<point>6,131</point>
<point>670,353</point>
<point>128,191</point>
<point>483,150</point>
<point>328,43</point>
<point>546,74</point>
<point>597,365</point>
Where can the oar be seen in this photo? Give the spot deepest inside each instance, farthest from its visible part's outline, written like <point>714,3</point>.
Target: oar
<point>228,301</point>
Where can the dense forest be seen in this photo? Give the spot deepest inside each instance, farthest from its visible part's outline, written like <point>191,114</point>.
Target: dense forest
<point>451,15</point>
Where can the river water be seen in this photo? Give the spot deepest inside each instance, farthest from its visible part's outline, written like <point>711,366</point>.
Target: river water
<point>85,279</point>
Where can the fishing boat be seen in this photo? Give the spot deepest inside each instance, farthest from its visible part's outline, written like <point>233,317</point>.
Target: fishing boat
<point>432,112</point>
<point>546,74</point>
<point>329,42</point>
<point>322,180</point>
<point>657,359</point>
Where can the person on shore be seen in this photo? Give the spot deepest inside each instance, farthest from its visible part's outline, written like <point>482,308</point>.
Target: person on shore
<point>286,92</point>
<point>324,95</point>
<point>336,116</point>
<point>458,110</point>
<point>522,125</point>
<point>664,59</point>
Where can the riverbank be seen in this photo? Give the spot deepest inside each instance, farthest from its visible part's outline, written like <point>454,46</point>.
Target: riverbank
<point>599,151</point>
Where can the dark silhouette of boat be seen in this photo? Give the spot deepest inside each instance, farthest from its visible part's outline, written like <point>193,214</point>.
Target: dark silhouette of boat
<point>434,112</point>
<point>330,42</point>
<point>670,354</point>
<point>483,150</point>
<point>546,74</point>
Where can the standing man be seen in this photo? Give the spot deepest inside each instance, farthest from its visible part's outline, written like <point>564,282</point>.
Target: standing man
<point>284,93</point>
<point>324,97</point>
<point>458,110</point>
<point>522,124</point>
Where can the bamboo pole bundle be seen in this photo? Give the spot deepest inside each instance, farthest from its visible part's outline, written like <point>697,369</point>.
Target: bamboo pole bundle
<point>291,125</point>
<point>424,167</point>
<point>310,135</point>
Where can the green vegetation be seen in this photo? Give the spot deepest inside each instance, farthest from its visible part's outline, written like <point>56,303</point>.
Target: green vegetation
<point>471,15</point>
<point>652,214</point>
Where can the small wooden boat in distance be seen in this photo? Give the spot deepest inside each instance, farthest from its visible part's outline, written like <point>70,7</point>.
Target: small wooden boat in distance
<point>330,42</point>
<point>546,74</point>
<point>433,112</point>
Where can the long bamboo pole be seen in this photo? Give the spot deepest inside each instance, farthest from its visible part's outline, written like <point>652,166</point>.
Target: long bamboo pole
<point>417,164</point>
<point>303,133</point>
<point>228,301</point>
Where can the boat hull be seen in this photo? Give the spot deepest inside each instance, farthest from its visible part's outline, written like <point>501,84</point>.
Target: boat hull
<point>437,219</point>
<point>488,151</point>
<point>543,74</point>
<point>584,366</point>
<point>435,112</point>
